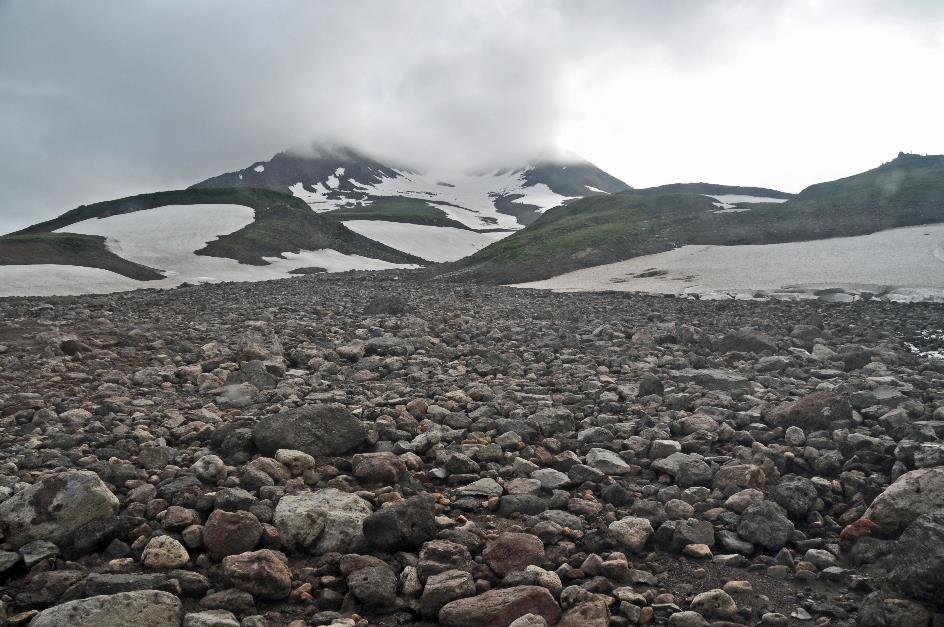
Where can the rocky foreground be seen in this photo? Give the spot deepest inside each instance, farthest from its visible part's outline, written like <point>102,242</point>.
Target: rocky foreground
<point>356,450</point>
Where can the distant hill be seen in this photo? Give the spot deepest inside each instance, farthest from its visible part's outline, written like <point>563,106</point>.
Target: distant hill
<point>282,224</point>
<point>712,189</point>
<point>593,231</point>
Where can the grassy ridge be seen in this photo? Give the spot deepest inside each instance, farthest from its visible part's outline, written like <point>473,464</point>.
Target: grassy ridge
<point>712,188</point>
<point>254,198</point>
<point>397,209</point>
<point>593,231</point>
<point>283,223</point>
<point>69,249</point>
<point>282,229</point>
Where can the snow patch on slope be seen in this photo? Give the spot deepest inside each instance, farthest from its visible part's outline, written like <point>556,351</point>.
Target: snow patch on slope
<point>900,263</point>
<point>433,243</point>
<point>466,198</point>
<point>726,202</point>
<point>165,238</point>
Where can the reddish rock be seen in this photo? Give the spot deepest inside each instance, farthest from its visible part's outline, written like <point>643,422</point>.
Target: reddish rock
<point>264,574</point>
<point>498,608</point>
<point>812,412</point>
<point>231,533</point>
<point>378,468</point>
<point>511,552</point>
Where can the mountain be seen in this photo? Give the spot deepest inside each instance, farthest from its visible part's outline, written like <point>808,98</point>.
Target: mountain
<point>594,231</point>
<point>344,180</point>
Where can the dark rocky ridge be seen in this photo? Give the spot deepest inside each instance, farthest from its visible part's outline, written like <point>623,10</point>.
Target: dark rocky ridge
<point>593,459</point>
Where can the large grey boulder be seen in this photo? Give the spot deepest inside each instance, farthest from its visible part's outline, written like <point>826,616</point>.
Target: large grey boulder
<point>55,507</point>
<point>766,524</point>
<point>911,495</point>
<point>319,430</point>
<point>919,559</point>
<point>320,522</point>
<point>144,608</point>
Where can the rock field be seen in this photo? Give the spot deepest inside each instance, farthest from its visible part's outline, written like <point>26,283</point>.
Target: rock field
<point>383,449</point>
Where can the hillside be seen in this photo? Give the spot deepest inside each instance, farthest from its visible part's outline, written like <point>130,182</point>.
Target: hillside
<point>712,189</point>
<point>593,231</point>
<point>70,249</point>
<point>281,224</point>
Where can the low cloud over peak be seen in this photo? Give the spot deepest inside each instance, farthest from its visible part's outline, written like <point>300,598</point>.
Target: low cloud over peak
<point>133,97</point>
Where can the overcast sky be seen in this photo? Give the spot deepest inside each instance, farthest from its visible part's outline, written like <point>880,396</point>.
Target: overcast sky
<point>108,98</point>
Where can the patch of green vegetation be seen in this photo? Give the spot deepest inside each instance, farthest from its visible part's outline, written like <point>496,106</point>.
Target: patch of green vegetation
<point>69,249</point>
<point>249,197</point>
<point>397,209</point>
<point>712,188</point>
<point>590,231</point>
<point>597,230</point>
<point>281,228</point>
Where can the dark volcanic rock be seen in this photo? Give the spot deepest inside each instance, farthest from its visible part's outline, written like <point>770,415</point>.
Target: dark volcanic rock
<point>318,430</point>
<point>403,525</point>
<point>470,455</point>
<point>919,559</point>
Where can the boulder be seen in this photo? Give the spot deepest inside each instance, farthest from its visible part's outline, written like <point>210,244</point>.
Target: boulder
<point>319,430</point>
<point>374,586</point>
<point>211,618</point>
<point>263,574</point>
<point>55,507</point>
<point>881,609</point>
<point>405,524</point>
<point>320,522</point>
<point>713,379</point>
<point>919,560</point>
<point>230,533</point>
<point>145,608</point>
<point>378,468</point>
<point>437,556</point>
<point>714,603</point>
<point>795,494</point>
<point>765,523</point>
<point>592,613</point>
<point>607,462</point>
<point>911,495</point>
<point>631,532</point>
<point>443,588</point>
<point>747,340</point>
<point>498,608</point>
<point>511,552</point>
<point>164,553</point>
<point>812,412</point>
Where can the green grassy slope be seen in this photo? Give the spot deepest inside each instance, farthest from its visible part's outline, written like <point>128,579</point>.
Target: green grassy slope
<point>69,249</point>
<point>712,188</point>
<point>282,228</point>
<point>592,231</point>
<point>397,209</point>
<point>283,223</point>
<point>255,198</point>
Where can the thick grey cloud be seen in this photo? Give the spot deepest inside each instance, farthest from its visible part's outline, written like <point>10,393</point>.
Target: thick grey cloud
<point>104,99</point>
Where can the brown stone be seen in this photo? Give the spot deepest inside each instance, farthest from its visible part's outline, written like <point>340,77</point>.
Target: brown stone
<point>511,552</point>
<point>498,608</point>
<point>230,533</point>
<point>264,573</point>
